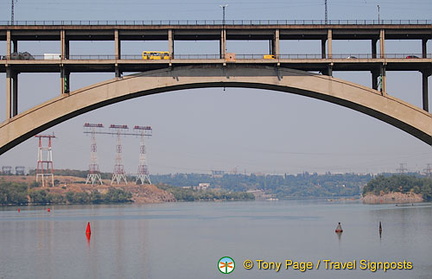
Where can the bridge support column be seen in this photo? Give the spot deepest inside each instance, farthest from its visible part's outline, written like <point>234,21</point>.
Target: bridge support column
<point>117,45</point>
<point>223,46</point>
<point>275,50</point>
<point>330,43</point>
<point>374,48</point>
<point>425,89</point>
<point>64,81</point>
<point>383,80</point>
<point>11,93</point>
<point>8,43</point>
<point>375,77</point>
<point>64,45</point>
<point>424,48</point>
<point>171,43</point>
<point>382,44</point>
<point>323,49</point>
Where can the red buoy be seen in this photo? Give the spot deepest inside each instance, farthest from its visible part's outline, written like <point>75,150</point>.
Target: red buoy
<point>88,229</point>
<point>49,209</point>
<point>19,210</point>
<point>338,228</point>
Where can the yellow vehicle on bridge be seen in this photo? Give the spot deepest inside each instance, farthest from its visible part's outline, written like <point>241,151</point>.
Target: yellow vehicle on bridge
<point>155,55</point>
<point>269,56</point>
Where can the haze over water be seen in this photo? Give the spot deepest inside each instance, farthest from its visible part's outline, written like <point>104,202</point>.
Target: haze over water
<point>186,240</point>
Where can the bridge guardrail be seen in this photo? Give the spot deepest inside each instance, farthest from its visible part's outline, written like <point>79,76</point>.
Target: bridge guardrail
<point>239,56</point>
<point>215,22</point>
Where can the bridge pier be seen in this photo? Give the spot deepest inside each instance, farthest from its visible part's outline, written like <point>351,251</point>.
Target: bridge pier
<point>374,48</point>
<point>11,93</point>
<point>223,47</point>
<point>383,79</point>
<point>375,77</point>
<point>330,44</point>
<point>64,81</point>
<point>171,43</point>
<point>425,89</point>
<point>275,44</point>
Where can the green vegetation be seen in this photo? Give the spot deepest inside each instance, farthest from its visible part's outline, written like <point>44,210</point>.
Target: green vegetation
<point>188,194</point>
<point>304,185</point>
<point>112,196</point>
<point>13,193</point>
<point>400,183</point>
<point>21,194</point>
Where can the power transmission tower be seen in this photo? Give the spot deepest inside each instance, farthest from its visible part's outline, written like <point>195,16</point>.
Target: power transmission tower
<point>143,173</point>
<point>45,168</point>
<point>402,168</point>
<point>428,170</point>
<point>93,175</point>
<point>119,174</point>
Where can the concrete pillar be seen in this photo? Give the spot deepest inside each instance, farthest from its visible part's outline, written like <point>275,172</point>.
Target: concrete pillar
<point>223,44</point>
<point>330,69</point>
<point>330,43</point>
<point>64,80</point>
<point>64,45</point>
<point>117,46</point>
<point>375,76</point>
<point>8,43</point>
<point>382,44</point>
<point>323,49</point>
<point>424,48</point>
<point>11,93</point>
<point>383,88</point>
<point>171,43</point>
<point>374,48</point>
<point>8,93</point>
<point>276,44</point>
<point>425,89</point>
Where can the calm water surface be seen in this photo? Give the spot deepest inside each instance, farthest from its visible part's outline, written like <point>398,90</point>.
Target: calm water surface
<point>186,240</point>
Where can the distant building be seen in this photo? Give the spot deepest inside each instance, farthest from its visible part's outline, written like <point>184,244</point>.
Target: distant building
<point>203,186</point>
<point>217,173</point>
<point>7,170</point>
<point>20,170</point>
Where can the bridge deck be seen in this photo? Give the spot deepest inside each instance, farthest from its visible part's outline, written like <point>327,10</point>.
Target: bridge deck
<point>139,65</point>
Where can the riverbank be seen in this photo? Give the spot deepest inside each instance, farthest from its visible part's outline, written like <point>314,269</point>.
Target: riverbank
<point>392,197</point>
<point>70,190</point>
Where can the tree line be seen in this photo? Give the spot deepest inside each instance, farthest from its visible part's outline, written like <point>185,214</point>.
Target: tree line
<point>304,185</point>
<point>189,194</point>
<point>383,184</point>
<point>12,193</point>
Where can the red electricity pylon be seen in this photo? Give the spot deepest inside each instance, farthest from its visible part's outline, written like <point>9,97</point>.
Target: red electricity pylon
<point>45,167</point>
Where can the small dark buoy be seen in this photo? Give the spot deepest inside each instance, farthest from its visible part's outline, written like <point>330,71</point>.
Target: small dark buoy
<point>338,228</point>
<point>380,228</point>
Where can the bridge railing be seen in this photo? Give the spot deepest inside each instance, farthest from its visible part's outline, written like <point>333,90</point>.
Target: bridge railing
<point>216,22</point>
<point>217,56</point>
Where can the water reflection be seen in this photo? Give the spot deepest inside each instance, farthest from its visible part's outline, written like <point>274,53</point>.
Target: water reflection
<point>159,241</point>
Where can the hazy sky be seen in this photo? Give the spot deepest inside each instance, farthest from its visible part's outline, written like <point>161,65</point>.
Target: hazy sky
<point>233,129</point>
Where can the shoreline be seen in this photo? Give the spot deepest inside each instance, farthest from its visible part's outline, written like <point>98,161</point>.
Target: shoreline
<point>392,198</point>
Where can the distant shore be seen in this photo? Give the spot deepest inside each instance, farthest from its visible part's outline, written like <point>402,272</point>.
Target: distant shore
<point>392,197</point>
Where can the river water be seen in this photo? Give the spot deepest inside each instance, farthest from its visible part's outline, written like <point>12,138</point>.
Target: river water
<point>186,240</point>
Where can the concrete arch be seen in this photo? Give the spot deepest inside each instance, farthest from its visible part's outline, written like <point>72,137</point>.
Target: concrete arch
<point>400,114</point>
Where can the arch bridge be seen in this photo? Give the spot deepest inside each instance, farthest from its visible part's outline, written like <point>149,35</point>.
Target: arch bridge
<point>307,75</point>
